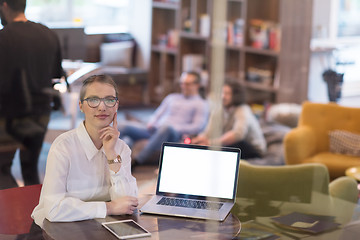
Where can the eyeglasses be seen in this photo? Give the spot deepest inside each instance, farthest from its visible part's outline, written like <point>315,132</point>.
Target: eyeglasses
<point>94,102</point>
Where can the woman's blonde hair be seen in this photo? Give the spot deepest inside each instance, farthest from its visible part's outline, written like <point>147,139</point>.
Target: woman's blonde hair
<point>97,78</point>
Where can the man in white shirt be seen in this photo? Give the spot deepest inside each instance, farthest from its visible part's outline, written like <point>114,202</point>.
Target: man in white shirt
<point>179,114</point>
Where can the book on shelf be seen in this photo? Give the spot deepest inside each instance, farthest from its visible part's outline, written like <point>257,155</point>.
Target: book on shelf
<point>274,38</point>
<point>264,34</point>
<point>192,62</point>
<point>170,39</point>
<point>230,33</point>
<point>258,75</point>
<point>173,38</point>
<point>235,32</point>
<point>308,223</point>
<point>205,25</point>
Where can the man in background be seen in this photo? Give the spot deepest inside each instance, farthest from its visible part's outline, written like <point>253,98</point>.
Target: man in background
<point>30,57</point>
<point>179,114</point>
<point>239,126</point>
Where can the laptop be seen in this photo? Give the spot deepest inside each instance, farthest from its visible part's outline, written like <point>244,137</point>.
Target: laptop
<point>195,181</point>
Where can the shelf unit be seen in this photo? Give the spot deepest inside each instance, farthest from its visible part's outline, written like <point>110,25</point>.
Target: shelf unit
<point>277,73</point>
<point>164,66</point>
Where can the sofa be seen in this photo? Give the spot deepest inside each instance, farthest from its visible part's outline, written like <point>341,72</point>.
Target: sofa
<point>312,140</point>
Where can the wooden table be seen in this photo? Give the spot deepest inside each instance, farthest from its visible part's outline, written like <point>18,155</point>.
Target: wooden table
<point>161,227</point>
<point>164,227</point>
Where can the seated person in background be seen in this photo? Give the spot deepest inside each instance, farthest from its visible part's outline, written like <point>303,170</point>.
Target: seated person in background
<point>179,114</point>
<point>239,129</point>
<point>88,171</point>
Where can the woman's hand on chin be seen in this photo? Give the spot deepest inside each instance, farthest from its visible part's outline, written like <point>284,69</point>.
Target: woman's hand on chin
<point>109,135</point>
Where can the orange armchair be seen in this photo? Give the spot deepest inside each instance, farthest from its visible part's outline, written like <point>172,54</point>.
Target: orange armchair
<point>309,141</point>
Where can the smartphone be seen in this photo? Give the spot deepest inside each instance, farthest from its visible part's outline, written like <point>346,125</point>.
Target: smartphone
<point>126,229</point>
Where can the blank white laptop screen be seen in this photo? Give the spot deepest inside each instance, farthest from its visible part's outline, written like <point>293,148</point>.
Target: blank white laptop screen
<point>199,172</point>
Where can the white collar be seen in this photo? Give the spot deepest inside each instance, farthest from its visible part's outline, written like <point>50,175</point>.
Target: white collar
<point>86,143</point>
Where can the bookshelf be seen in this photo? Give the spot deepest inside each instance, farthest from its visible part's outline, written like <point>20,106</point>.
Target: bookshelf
<point>164,49</point>
<point>267,45</point>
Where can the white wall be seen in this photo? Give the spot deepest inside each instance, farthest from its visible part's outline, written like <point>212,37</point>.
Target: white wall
<point>321,18</point>
<point>324,36</point>
<point>140,28</point>
<point>319,60</point>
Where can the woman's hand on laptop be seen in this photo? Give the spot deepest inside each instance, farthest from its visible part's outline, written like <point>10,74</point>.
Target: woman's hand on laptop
<point>122,205</point>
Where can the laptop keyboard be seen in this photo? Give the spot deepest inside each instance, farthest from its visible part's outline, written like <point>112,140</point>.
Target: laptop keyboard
<point>176,202</point>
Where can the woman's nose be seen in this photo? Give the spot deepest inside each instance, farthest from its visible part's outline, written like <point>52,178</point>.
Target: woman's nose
<point>102,105</point>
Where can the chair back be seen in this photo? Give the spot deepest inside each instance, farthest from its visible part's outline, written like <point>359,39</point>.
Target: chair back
<point>291,183</point>
<point>16,206</point>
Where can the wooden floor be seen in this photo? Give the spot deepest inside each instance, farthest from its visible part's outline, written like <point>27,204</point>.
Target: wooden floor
<point>146,177</point>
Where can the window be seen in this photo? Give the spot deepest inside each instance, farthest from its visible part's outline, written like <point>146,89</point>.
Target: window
<point>348,18</point>
<point>94,15</point>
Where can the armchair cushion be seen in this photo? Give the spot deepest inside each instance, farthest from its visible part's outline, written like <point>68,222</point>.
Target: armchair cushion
<point>344,142</point>
<point>336,163</point>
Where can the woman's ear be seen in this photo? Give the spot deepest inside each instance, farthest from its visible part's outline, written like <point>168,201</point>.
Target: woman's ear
<point>80,106</point>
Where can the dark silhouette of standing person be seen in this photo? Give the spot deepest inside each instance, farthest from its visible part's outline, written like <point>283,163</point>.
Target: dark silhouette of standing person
<point>30,57</point>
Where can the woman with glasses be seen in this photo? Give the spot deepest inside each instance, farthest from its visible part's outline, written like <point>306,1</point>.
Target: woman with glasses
<point>88,172</point>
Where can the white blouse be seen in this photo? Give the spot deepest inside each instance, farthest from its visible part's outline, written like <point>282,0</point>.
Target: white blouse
<point>78,180</point>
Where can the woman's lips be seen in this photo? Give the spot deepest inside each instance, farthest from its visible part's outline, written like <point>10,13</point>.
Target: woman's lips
<point>102,116</point>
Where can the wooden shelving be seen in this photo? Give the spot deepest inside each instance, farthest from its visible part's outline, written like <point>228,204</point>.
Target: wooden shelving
<point>164,49</point>
<point>235,47</point>
<point>194,36</point>
<point>266,52</point>
<point>274,69</point>
<point>260,86</point>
